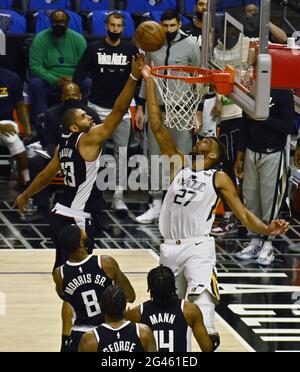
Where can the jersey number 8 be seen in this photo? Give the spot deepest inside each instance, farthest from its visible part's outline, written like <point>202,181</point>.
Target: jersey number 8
<point>90,300</point>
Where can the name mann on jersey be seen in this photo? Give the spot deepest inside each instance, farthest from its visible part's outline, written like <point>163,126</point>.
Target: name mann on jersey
<point>82,280</point>
<point>162,318</point>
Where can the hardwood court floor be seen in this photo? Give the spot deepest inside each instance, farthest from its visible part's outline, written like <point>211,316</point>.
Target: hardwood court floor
<point>32,319</point>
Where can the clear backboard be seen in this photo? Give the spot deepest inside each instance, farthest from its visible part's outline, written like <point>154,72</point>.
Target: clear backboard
<point>236,33</point>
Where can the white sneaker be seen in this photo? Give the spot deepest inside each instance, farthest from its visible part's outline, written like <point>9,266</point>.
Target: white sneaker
<point>150,216</point>
<point>251,251</point>
<point>266,256</point>
<point>118,205</point>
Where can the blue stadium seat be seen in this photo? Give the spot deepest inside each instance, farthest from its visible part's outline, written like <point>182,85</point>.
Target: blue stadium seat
<point>141,6</point>
<point>98,24</point>
<point>6,4</point>
<point>48,4</point>
<point>86,5</point>
<point>43,21</point>
<point>155,15</point>
<point>11,21</point>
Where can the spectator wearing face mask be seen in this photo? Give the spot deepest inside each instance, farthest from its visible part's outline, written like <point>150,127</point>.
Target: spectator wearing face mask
<point>54,55</point>
<point>251,21</point>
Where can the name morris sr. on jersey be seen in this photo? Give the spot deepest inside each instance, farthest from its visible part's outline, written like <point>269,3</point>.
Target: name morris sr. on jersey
<point>85,279</point>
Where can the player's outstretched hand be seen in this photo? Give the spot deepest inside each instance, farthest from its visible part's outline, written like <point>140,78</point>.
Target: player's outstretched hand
<point>146,72</point>
<point>278,227</point>
<point>138,62</point>
<point>21,203</point>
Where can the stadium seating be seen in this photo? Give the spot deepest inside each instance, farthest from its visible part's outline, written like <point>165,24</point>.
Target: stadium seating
<point>141,6</point>
<point>156,15</point>
<point>91,5</point>
<point>98,24</point>
<point>48,4</point>
<point>43,21</point>
<point>11,21</point>
<point>6,4</point>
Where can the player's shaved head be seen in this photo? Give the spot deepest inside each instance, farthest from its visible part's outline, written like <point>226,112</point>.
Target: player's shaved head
<point>71,91</point>
<point>70,238</point>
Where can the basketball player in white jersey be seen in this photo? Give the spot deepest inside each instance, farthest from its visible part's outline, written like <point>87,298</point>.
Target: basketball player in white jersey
<point>188,213</point>
<point>78,157</point>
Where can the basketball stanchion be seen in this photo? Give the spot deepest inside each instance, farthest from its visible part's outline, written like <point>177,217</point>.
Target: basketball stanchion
<point>182,89</point>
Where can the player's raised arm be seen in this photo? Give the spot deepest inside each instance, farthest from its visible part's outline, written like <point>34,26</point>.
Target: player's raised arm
<point>112,269</point>
<point>247,218</point>
<point>39,183</point>
<point>163,137</point>
<point>100,133</point>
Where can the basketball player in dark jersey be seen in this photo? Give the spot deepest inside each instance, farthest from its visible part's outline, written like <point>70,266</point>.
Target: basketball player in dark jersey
<point>170,318</point>
<point>82,280</point>
<point>117,334</point>
<point>77,156</point>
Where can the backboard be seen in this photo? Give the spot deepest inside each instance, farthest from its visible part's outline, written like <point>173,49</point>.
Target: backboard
<point>236,33</point>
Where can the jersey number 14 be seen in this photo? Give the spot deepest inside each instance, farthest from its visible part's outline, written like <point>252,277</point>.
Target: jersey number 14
<point>162,343</point>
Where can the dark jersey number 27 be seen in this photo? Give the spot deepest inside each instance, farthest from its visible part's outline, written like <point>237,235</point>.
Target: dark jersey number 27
<point>184,197</point>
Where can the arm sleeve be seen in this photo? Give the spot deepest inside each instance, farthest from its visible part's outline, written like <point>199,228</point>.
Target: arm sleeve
<point>285,122</point>
<point>36,56</point>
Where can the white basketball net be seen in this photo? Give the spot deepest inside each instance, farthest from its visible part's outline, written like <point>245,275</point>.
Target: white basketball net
<point>181,99</point>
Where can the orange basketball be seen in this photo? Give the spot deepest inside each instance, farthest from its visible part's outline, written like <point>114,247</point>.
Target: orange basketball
<point>150,36</point>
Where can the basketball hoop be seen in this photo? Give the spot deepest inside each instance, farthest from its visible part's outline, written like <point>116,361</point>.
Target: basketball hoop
<point>182,89</point>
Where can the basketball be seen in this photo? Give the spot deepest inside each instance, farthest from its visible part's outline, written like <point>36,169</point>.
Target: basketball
<point>150,36</point>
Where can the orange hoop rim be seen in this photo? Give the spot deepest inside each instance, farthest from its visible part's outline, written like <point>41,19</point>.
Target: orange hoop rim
<point>204,75</point>
<point>222,79</point>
